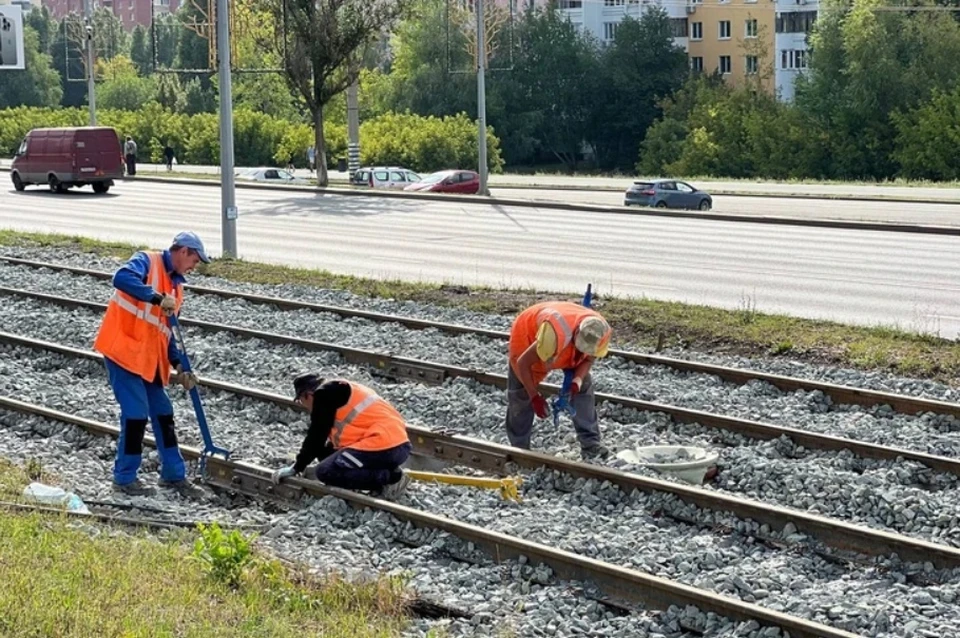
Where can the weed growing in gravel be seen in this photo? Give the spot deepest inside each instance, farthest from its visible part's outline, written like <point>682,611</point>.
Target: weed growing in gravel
<point>224,554</point>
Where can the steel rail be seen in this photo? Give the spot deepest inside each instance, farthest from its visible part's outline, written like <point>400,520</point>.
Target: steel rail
<point>493,457</point>
<point>842,394</point>
<point>437,373</point>
<point>615,581</point>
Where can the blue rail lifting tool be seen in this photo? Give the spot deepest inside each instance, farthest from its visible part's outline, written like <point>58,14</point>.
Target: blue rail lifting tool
<point>562,402</point>
<point>209,449</point>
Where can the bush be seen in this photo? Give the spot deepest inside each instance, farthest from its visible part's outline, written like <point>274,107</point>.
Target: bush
<point>420,143</point>
<point>425,144</point>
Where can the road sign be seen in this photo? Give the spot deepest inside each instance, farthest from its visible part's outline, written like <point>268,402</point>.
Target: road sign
<point>11,38</point>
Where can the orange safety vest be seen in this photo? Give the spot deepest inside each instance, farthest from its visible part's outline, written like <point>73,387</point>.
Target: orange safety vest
<point>367,422</point>
<point>563,317</point>
<point>134,334</point>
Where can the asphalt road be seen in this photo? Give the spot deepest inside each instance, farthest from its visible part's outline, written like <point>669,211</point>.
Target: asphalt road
<point>862,277</point>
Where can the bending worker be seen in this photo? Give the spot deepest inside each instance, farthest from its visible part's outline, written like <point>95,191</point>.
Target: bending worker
<point>359,438</point>
<point>555,335</point>
<point>139,352</point>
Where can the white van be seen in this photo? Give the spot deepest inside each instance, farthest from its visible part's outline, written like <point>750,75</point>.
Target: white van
<point>385,177</point>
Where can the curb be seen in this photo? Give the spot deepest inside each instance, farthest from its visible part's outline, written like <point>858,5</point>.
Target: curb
<point>588,208</point>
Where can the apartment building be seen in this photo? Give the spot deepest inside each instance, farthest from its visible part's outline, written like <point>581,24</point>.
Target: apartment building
<point>761,40</point>
<point>130,12</point>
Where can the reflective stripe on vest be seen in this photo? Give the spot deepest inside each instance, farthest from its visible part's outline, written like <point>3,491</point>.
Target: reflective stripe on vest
<point>139,310</point>
<point>558,321</point>
<point>340,425</point>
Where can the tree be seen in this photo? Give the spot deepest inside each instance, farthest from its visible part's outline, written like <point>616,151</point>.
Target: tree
<point>928,138</point>
<point>38,84</point>
<point>165,33</point>
<point>323,44</point>
<point>40,20</point>
<point>121,88</point>
<point>641,66</point>
<point>140,51</point>
<point>546,102</point>
<point>867,64</point>
<point>69,64</point>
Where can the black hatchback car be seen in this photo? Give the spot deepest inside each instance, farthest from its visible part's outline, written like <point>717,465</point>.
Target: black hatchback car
<point>667,193</point>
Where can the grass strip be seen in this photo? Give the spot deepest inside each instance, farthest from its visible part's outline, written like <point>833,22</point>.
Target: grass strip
<point>637,323</point>
<point>64,578</point>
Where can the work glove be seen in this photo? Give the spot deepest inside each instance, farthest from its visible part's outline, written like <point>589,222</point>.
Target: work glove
<point>540,406</point>
<point>168,304</point>
<point>187,379</point>
<point>282,473</point>
<point>575,386</point>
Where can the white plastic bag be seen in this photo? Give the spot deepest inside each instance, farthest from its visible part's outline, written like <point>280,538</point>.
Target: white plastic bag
<point>56,496</point>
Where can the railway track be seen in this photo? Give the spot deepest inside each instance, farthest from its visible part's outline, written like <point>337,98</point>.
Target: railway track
<point>839,394</point>
<point>615,581</point>
<point>429,372</point>
<point>498,459</point>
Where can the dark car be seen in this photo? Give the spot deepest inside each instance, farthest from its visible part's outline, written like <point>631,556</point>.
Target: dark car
<point>448,182</point>
<point>61,158</point>
<point>667,193</point>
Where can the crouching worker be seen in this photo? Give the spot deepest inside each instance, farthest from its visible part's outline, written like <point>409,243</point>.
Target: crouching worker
<point>360,439</point>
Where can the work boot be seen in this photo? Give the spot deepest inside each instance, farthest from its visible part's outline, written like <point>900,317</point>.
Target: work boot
<point>393,491</point>
<point>596,452</point>
<point>136,488</point>
<point>185,488</point>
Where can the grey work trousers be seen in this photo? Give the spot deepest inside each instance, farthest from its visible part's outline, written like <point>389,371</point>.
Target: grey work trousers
<point>520,414</point>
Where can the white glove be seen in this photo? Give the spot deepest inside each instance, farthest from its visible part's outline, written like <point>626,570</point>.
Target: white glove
<point>282,473</point>
<point>168,304</point>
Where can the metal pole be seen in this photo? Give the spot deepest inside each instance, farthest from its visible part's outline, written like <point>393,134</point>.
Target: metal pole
<point>353,128</point>
<point>481,100</point>
<point>91,55</point>
<point>228,202</point>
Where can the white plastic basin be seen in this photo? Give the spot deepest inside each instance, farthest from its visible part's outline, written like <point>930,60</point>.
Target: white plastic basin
<point>686,462</point>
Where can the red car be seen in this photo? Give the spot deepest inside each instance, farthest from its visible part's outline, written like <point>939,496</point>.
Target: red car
<point>448,182</point>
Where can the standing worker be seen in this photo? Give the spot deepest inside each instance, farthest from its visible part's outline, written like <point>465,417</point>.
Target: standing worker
<point>139,352</point>
<point>555,335</point>
<point>168,155</point>
<point>359,438</point>
<point>130,153</point>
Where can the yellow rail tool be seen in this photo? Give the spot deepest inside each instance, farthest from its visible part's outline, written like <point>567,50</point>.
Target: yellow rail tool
<point>509,487</point>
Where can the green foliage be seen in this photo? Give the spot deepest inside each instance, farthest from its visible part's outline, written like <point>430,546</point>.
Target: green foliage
<point>928,138</point>
<point>121,88</point>
<point>38,84</point>
<point>421,143</point>
<point>425,143</point>
<point>140,50</point>
<point>225,555</point>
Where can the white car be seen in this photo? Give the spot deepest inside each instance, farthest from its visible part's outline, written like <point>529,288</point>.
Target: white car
<point>269,175</point>
<point>385,177</point>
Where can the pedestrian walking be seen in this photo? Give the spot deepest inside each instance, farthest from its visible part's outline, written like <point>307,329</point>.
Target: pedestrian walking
<point>168,156</point>
<point>139,353</point>
<point>311,158</point>
<point>130,154</point>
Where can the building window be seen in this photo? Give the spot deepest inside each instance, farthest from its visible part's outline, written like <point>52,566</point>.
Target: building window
<point>724,29</point>
<point>725,65</point>
<point>793,59</point>
<point>610,30</point>
<point>613,3</point>
<point>796,22</point>
<point>678,27</point>
<point>696,31</point>
<point>696,64</point>
<point>571,4</point>
<point>751,28</point>
<point>753,64</point>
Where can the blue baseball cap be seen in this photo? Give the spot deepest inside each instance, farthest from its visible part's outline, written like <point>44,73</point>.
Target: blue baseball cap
<point>189,239</point>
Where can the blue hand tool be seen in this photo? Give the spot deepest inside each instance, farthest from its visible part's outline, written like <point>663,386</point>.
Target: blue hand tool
<point>562,402</point>
<point>209,449</point>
